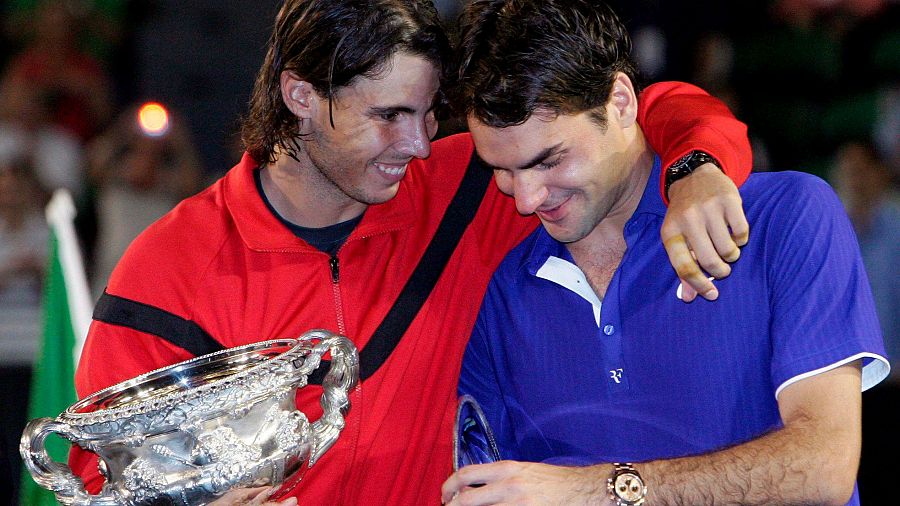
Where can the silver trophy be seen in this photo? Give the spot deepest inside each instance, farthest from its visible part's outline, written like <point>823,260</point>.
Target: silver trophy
<point>188,433</point>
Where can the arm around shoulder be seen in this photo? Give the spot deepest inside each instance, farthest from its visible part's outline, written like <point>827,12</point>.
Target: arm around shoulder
<point>678,118</point>
<point>705,224</point>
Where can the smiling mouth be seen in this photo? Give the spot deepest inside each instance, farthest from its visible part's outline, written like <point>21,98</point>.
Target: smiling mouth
<point>392,170</point>
<point>552,213</point>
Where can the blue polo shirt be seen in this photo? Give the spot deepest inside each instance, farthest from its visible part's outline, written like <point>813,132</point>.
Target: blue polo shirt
<point>566,378</point>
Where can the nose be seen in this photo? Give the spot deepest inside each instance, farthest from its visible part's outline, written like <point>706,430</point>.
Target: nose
<point>529,191</point>
<point>415,139</point>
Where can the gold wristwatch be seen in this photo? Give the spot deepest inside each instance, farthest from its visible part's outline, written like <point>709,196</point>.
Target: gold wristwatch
<point>625,486</point>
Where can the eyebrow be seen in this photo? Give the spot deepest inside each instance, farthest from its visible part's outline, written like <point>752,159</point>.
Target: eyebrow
<point>543,155</point>
<point>391,109</point>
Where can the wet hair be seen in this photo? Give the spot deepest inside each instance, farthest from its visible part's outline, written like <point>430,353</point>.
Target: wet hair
<point>331,44</point>
<point>556,56</point>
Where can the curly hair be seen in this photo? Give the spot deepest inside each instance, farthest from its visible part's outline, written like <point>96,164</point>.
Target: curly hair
<point>517,56</point>
<point>330,44</point>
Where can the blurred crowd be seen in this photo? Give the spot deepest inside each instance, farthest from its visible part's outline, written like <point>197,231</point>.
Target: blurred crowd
<point>66,122</point>
<point>817,81</point>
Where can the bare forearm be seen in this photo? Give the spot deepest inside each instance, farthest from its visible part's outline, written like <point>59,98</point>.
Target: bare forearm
<point>788,466</point>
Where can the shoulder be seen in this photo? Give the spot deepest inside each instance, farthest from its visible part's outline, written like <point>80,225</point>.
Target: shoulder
<point>514,266</point>
<point>792,194</point>
<point>785,185</point>
<point>195,221</point>
<point>174,252</point>
<point>434,180</point>
<point>448,154</point>
<point>455,148</point>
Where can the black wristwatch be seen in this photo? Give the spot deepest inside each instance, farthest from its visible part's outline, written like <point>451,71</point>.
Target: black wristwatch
<point>687,164</point>
<point>625,486</point>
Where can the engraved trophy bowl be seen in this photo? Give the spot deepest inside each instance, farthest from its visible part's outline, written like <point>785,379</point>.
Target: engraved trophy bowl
<point>188,433</point>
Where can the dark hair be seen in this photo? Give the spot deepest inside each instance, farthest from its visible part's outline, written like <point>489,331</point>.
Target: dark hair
<point>331,43</point>
<point>517,56</point>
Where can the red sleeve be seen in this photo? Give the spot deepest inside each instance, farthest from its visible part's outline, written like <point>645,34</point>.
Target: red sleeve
<point>678,118</point>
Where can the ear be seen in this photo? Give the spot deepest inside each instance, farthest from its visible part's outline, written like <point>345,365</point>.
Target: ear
<point>298,95</point>
<point>623,100</point>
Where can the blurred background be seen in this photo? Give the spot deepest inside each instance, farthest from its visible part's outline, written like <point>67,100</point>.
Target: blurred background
<point>817,81</point>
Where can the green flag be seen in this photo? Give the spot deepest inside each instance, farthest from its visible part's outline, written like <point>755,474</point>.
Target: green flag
<point>66,313</point>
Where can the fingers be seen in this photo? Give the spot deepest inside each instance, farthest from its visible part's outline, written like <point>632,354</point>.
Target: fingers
<point>704,229</point>
<point>456,483</point>
<point>686,292</point>
<point>243,496</point>
<point>263,499</point>
<point>740,229</point>
<point>688,269</point>
<point>258,496</point>
<point>728,230</point>
<point>700,242</point>
<point>479,496</point>
<point>725,245</point>
<point>469,479</point>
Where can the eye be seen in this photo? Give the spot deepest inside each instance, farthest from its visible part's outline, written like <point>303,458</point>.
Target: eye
<point>389,116</point>
<point>549,164</point>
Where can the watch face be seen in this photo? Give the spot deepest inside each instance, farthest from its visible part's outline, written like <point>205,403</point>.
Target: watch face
<point>629,487</point>
<point>682,161</point>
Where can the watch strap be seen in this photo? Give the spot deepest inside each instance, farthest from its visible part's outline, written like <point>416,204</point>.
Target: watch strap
<point>686,165</point>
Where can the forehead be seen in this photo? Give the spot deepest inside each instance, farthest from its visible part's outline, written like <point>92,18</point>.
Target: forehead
<point>406,81</point>
<point>514,146</point>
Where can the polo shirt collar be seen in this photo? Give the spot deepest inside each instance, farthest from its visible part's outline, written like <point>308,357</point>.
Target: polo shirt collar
<point>651,201</point>
<point>262,231</point>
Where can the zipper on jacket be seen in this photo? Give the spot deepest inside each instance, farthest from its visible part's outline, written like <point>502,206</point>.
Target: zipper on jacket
<point>335,265</point>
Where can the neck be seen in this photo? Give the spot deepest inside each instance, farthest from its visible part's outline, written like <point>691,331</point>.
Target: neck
<point>303,196</point>
<point>610,231</point>
<point>599,254</point>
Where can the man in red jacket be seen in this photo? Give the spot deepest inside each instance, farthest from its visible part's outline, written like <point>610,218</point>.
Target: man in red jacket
<point>325,219</point>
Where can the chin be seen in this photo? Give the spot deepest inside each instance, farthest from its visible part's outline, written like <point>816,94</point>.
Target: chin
<point>564,235</point>
<point>559,234</point>
<point>382,196</point>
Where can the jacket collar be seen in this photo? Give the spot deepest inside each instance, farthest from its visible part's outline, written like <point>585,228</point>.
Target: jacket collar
<point>262,231</point>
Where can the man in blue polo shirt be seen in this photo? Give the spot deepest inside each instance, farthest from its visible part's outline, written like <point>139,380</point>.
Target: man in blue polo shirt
<point>601,385</point>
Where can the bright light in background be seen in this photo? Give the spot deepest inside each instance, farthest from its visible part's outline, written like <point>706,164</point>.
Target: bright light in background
<point>153,119</point>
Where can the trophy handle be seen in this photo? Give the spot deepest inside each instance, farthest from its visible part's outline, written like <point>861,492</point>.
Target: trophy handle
<point>341,378</point>
<point>51,475</point>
